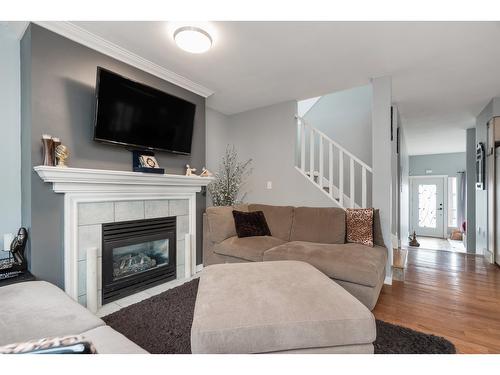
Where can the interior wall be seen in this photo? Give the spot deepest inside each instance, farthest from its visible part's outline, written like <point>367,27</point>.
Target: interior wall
<point>470,210</point>
<point>492,109</point>
<point>395,176</point>
<point>59,86</point>
<point>303,106</point>
<point>10,128</point>
<point>267,136</point>
<point>383,195</point>
<point>438,164</point>
<point>343,116</point>
<point>217,138</point>
<point>404,172</point>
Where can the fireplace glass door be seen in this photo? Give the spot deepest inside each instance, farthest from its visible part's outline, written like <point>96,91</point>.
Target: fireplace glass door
<point>138,258</point>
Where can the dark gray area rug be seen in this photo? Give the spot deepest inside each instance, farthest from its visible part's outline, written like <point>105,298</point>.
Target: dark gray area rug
<point>162,325</point>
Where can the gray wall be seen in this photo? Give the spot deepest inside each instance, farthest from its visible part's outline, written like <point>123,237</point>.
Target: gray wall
<point>440,164</point>
<point>216,138</point>
<point>395,217</point>
<point>343,116</point>
<point>383,196</point>
<point>492,109</point>
<point>10,128</point>
<point>266,135</point>
<point>470,210</point>
<point>58,89</point>
<point>404,187</point>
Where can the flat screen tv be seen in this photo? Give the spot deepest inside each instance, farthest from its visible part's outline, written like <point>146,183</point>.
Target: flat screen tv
<point>138,116</point>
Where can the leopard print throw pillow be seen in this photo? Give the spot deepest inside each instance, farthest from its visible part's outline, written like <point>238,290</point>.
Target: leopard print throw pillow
<point>359,223</point>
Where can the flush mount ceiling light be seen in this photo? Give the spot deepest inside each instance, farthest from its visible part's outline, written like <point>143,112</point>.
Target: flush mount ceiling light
<point>193,39</point>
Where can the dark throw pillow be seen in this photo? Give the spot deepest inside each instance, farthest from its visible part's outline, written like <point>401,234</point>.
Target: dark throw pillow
<point>250,224</point>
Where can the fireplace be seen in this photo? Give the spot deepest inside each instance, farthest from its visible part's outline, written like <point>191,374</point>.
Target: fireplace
<point>137,255</point>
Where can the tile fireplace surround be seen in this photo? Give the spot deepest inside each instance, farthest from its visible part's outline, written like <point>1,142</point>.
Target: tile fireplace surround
<point>93,197</point>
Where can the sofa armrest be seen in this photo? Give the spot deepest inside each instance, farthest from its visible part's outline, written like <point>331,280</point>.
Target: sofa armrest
<point>209,256</point>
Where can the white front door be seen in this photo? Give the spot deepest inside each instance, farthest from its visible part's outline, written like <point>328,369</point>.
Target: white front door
<point>427,206</point>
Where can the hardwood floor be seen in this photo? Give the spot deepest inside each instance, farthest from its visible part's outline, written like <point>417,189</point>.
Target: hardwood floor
<point>453,295</point>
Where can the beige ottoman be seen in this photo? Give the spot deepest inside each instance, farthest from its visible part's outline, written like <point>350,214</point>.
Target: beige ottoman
<point>277,307</point>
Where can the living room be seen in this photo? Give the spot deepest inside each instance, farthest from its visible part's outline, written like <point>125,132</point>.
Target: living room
<point>234,187</point>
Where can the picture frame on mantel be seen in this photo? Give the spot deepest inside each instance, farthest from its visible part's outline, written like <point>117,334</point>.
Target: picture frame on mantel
<point>145,161</point>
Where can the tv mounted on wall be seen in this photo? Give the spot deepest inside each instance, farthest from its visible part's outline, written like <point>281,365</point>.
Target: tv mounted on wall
<point>132,114</point>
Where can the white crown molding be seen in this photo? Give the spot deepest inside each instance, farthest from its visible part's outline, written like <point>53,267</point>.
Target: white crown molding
<point>88,39</point>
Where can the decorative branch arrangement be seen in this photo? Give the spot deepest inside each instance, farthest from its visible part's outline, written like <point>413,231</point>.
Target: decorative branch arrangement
<point>229,179</point>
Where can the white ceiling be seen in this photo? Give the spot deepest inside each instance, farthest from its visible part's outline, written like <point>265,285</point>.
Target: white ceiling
<point>443,73</point>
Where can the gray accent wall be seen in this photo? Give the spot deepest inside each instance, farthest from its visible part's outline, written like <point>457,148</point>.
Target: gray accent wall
<point>470,210</point>
<point>58,85</point>
<point>10,128</point>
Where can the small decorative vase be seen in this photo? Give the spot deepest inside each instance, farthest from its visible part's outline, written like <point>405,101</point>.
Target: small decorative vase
<point>48,150</point>
<point>55,142</point>
<point>62,153</point>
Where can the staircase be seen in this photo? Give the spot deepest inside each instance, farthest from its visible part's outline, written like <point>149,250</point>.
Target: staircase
<point>330,167</point>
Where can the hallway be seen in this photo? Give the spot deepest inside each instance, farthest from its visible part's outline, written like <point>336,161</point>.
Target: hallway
<point>449,294</point>
<point>432,243</point>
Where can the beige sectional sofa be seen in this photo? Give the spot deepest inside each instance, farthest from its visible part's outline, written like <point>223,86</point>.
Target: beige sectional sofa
<point>34,310</point>
<point>310,234</point>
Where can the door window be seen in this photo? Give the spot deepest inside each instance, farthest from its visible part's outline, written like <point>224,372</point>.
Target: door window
<point>427,206</point>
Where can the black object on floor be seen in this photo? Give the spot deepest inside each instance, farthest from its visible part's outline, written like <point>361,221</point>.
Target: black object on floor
<point>162,325</point>
<point>394,339</point>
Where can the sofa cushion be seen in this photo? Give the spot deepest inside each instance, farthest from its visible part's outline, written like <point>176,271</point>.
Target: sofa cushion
<point>36,309</point>
<point>248,248</point>
<point>316,224</point>
<point>275,307</point>
<point>250,224</point>
<point>279,219</point>
<point>348,262</point>
<point>221,221</point>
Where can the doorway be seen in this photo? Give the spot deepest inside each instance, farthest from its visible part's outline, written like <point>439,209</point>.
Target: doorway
<point>428,205</point>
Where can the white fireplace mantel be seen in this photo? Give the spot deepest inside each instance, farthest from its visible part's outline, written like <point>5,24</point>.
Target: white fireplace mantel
<point>66,180</point>
<point>96,185</point>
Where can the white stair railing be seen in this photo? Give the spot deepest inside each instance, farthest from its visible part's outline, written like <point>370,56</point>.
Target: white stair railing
<point>314,171</point>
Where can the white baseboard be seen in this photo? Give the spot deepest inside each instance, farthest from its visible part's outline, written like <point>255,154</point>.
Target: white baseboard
<point>388,280</point>
<point>395,241</point>
<point>199,267</point>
